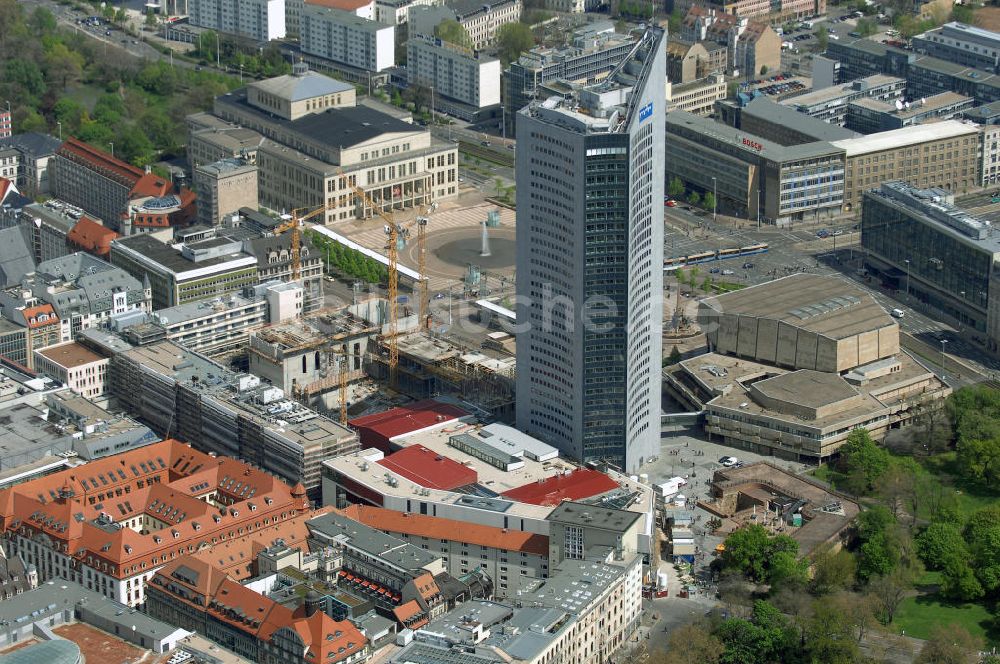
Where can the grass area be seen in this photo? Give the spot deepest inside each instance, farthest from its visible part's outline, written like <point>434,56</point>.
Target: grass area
<point>825,473</point>
<point>727,286</point>
<point>969,496</point>
<point>918,616</point>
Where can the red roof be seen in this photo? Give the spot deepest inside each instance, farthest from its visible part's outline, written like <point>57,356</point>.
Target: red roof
<point>100,160</point>
<point>379,429</point>
<point>580,484</point>
<point>346,5</point>
<point>38,316</point>
<point>151,184</point>
<point>429,469</point>
<point>92,237</point>
<point>6,187</point>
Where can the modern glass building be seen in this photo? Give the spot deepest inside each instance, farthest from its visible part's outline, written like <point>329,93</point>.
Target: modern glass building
<point>919,241</point>
<point>589,264</point>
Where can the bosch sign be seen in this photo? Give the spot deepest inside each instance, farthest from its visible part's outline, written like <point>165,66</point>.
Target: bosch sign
<point>753,144</point>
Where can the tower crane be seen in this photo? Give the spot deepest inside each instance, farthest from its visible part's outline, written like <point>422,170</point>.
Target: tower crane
<point>294,223</point>
<point>395,233</point>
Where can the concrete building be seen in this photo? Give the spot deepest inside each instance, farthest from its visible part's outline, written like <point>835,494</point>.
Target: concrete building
<point>945,257</point>
<point>274,263</point>
<point>830,104</point>
<point>755,177</point>
<point>962,44</point>
<point>989,150</point>
<point>799,363</point>
<point>157,519</point>
<point>870,116</point>
<point>689,61</point>
<point>47,227</point>
<point>195,271</point>
<point>82,290</point>
<point>753,47</point>
<point>481,19</point>
<point>300,93</point>
<point>211,139</point>
<point>466,83</point>
<point>397,12</point>
<point>698,96</point>
<point>785,126</point>
<point>259,20</point>
<point>223,187</point>
<point>177,391</point>
<point>576,530</point>
<point>942,154</point>
<point>345,38</point>
<point>75,366</point>
<point>6,127</point>
<point>23,329</point>
<point>595,51</point>
<point>591,393</point>
<point>512,559</point>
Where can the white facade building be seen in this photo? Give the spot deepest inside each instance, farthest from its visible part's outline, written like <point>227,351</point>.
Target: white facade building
<point>456,74</point>
<point>262,20</point>
<point>346,38</point>
<point>397,12</point>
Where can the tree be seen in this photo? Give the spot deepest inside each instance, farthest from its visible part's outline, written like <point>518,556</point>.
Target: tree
<point>830,635</point>
<point>674,357</point>
<point>950,645</point>
<point>959,582</point>
<point>761,557</point>
<point>62,65</point>
<point>821,38</point>
<point>70,113</point>
<point>763,70</point>
<point>150,20</point>
<point>964,14</point>
<point>766,636</point>
<point>499,183</point>
<point>694,198</point>
<point>940,544</point>
<point>888,592</point>
<point>709,201</point>
<point>25,75</point>
<point>832,571</point>
<point>452,32</point>
<point>42,22</point>
<point>898,485</point>
<point>691,644</point>
<point>866,27</point>
<point>512,40</point>
<point>675,188</point>
<point>863,461</point>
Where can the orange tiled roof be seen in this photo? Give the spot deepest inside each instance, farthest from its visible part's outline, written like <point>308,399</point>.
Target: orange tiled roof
<point>328,640</point>
<point>33,314</point>
<point>435,527</point>
<point>151,184</point>
<point>407,611</point>
<point>92,236</point>
<point>78,151</point>
<point>164,481</point>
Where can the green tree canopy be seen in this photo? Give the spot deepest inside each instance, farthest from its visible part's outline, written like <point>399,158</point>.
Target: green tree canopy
<point>512,40</point>
<point>941,543</point>
<point>452,32</point>
<point>761,557</point>
<point>675,188</point>
<point>863,461</point>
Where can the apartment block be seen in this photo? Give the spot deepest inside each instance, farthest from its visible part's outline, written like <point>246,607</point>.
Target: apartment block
<point>397,12</point>
<point>830,104</point>
<point>480,18</point>
<point>698,96</point>
<point>260,20</point>
<point>6,127</point>
<point>869,116</point>
<point>962,44</point>
<point>75,366</point>
<point>466,83</point>
<point>346,38</point>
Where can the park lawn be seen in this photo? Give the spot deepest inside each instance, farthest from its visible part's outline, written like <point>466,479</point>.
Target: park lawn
<point>919,615</point>
<point>825,473</point>
<point>969,495</point>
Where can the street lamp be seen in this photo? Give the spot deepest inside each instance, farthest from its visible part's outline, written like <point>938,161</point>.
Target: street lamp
<point>715,198</point>
<point>943,342</point>
<point>907,261</point>
<point>112,149</point>
<point>60,129</point>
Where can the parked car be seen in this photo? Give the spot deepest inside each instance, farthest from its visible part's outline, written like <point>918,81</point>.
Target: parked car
<point>729,461</point>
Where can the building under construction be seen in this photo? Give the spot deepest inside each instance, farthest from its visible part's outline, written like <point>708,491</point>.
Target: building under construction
<point>430,365</point>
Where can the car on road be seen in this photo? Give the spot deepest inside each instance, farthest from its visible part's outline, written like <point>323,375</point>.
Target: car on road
<point>838,233</point>
<point>670,203</point>
<point>748,266</point>
<point>461,179</point>
<point>485,143</point>
<point>438,296</point>
<point>729,461</point>
<point>727,272</point>
<point>823,233</point>
<point>714,270</point>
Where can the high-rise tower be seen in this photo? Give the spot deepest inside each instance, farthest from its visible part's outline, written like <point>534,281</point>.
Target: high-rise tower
<point>590,179</point>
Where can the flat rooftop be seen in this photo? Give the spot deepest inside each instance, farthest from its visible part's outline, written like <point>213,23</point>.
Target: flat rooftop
<point>826,305</point>
<point>812,389</point>
<point>147,249</point>
<point>593,516</point>
<point>841,91</point>
<point>70,355</point>
<point>816,129</point>
<point>911,135</point>
<point>707,127</point>
<point>371,541</point>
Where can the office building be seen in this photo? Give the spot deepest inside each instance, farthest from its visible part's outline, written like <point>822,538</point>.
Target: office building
<point>754,177</point>
<point>698,96</point>
<point>24,329</point>
<point>786,126</point>
<point>194,271</point>
<point>870,116</point>
<point>941,154</point>
<point>6,127</point>
<point>595,51</point>
<point>223,187</point>
<point>347,39</point>
<point>399,164</point>
<point>75,366</point>
<point>177,391</point>
<point>799,363</point>
<point>258,20</point>
<point>989,149</point>
<point>47,227</point>
<point>178,498</point>
<point>466,83</point>
<point>962,44</point>
<point>945,257</point>
<point>211,139</point>
<point>591,388</point>
<point>578,530</point>
<point>512,559</point>
<point>689,61</point>
<point>480,18</point>
<point>830,104</point>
